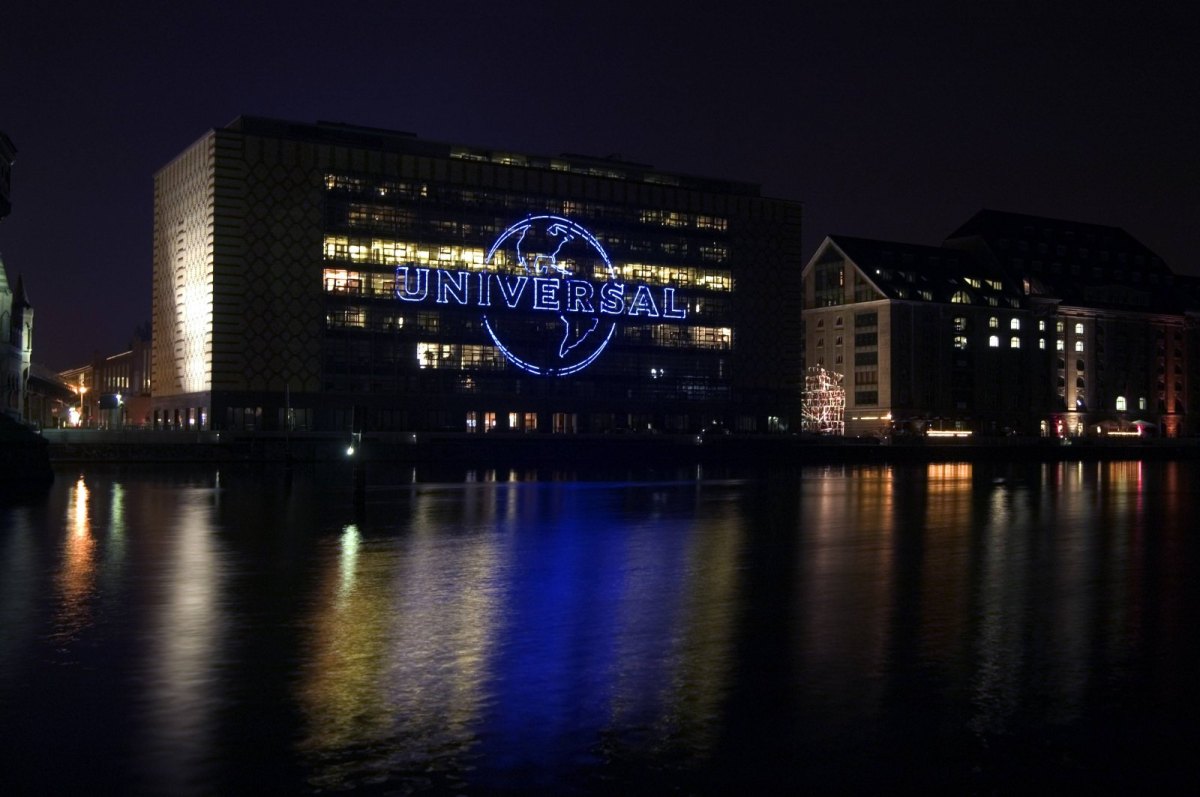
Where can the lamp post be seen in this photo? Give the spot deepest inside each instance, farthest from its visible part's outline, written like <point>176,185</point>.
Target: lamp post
<point>81,389</point>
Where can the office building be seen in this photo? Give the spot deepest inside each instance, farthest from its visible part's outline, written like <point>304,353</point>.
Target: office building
<point>330,277</point>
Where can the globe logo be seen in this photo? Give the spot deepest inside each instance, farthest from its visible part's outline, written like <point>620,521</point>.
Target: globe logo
<point>552,278</point>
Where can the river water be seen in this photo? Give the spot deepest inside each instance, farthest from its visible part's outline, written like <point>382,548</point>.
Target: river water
<point>969,628</point>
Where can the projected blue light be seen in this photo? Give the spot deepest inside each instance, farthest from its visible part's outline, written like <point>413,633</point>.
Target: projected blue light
<point>556,267</point>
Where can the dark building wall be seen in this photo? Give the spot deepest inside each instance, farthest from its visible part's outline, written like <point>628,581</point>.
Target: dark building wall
<point>306,225</point>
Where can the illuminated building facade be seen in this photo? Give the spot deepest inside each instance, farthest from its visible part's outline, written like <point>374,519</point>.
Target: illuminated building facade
<point>1016,324</point>
<point>330,277</point>
<point>113,392</point>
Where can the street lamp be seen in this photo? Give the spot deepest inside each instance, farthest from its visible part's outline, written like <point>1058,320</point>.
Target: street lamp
<point>80,389</point>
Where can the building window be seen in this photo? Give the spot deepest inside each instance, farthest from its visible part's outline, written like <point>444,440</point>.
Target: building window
<point>1120,403</point>
<point>865,397</point>
<point>1059,326</point>
<point>1079,329</point>
<point>960,297</point>
<point>1142,403</point>
<point>820,343</point>
<point>1014,324</point>
<point>960,341</point>
<point>866,319</point>
<point>993,323</point>
<point>1041,343</point>
<point>994,341</point>
<point>1014,342</point>
<point>1079,345</point>
<point>1041,326</point>
<point>960,324</point>
<point>837,322</point>
<point>1080,365</point>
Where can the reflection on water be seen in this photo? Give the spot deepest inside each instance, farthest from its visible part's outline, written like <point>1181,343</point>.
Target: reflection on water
<point>77,570</point>
<point>961,627</point>
<point>185,656</point>
<point>508,618</point>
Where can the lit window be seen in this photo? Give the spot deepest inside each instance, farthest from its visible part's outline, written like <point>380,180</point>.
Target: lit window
<point>1041,343</point>
<point>993,323</point>
<point>960,324</point>
<point>1120,403</point>
<point>994,341</point>
<point>1059,326</point>
<point>1079,329</point>
<point>1014,342</point>
<point>1142,403</point>
<point>1079,345</point>
<point>1041,326</point>
<point>960,297</point>
<point>1014,324</point>
<point>960,341</point>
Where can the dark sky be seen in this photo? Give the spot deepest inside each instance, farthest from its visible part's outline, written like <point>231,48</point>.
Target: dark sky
<point>888,120</point>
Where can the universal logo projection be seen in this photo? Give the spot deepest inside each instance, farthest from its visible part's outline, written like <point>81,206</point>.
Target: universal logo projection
<point>550,297</point>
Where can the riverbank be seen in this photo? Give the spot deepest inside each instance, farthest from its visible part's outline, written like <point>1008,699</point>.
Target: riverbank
<point>24,459</point>
<point>485,449</point>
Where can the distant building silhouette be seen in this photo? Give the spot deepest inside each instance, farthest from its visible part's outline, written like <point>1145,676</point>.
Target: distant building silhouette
<point>16,312</point>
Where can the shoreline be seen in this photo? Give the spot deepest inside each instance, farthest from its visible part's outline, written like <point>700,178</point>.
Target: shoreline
<point>71,446</point>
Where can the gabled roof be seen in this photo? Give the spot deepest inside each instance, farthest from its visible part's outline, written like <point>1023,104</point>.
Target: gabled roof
<point>1086,265</point>
<point>930,273</point>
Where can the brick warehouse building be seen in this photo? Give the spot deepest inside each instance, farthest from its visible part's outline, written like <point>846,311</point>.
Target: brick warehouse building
<point>331,277</point>
<point>1017,323</point>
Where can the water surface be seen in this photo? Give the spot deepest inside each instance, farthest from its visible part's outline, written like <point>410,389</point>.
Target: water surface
<point>976,628</point>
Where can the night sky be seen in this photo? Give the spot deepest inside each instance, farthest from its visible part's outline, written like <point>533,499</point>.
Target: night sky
<point>887,120</point>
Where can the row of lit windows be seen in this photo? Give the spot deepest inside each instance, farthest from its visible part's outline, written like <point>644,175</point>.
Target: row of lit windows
<point>666,335</point>
<point>974,282</point>
<point>457,356</point>
<point>695,337</point>
<point>387,252</point>
<point>497,199</point>
<point>375,319</point>
<point>708,279</point>
<point>962,297</point>
<point>670,218</point>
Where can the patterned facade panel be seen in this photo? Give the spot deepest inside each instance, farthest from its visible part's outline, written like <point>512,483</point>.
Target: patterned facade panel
<point>276,249</point>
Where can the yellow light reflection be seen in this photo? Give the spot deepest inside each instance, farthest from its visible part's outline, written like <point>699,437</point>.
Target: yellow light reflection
<point>77,575</point>
<point>401,639</point>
